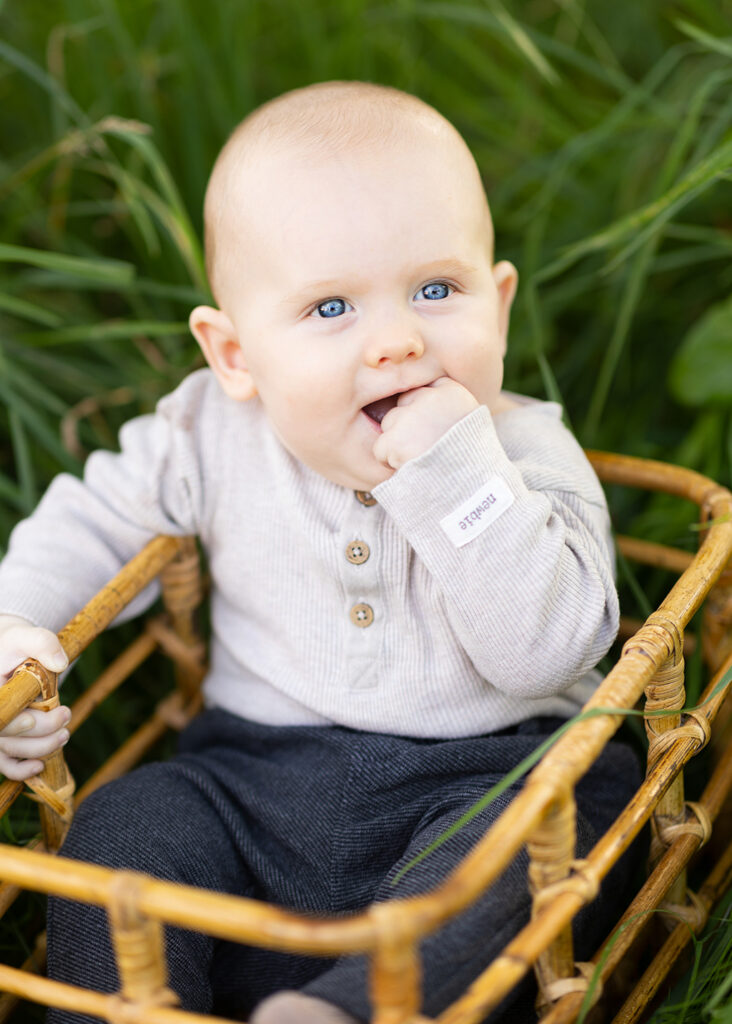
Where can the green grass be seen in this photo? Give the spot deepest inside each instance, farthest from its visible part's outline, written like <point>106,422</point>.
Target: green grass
<point>704,994</point>
<point>603,133</point>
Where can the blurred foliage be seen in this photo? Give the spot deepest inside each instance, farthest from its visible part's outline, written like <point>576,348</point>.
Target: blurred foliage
<point>603,133</point>
<point>701,370</point>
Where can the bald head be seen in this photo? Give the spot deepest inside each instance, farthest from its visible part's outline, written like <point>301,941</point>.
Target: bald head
<point>330,119</point>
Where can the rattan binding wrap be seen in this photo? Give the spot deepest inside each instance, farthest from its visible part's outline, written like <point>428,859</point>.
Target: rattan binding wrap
<point>542,815</point>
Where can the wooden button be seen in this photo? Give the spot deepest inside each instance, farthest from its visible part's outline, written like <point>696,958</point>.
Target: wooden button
<point>362,615</point>
<point>357,552</point>
<point>366,497</point>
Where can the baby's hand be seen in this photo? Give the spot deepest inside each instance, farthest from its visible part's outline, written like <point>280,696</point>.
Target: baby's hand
<point>33,734</point>
<point>420,418</point>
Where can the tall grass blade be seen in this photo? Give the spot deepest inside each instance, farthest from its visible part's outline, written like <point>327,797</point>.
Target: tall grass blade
<point>524,44</point>
<point>170,207</point>
<point>29,68</point>
<point>106,271</point>
<point>710,42</point>
<point>29,310</point>
<point>29,423</point>
<point>501,24</point>
<point>649,219</point>
<point>632,292</point>
<point>111,330</point>
<point>23,462</point>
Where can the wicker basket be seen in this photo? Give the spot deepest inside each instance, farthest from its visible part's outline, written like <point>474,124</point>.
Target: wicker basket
<point>541,815</point>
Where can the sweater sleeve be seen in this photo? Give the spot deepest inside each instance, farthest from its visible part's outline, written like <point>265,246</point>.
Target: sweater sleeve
<point>84,530</point>
<point>515,531</point>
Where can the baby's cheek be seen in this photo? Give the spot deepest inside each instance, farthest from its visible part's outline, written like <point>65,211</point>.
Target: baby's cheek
<point>483,377</point>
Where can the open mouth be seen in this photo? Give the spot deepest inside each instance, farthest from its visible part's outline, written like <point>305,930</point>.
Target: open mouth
<point>377,410</point>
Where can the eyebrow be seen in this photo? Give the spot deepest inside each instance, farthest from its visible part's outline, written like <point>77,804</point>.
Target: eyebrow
<point>438,268</point>
<point>450,267</point>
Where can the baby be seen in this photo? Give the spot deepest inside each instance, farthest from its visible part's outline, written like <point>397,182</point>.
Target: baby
<point>411,568</point>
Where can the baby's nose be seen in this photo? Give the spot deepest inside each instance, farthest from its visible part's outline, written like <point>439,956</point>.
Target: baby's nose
<point>393,344</point>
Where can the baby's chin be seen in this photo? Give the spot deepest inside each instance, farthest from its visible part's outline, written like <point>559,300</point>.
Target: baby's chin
<point>364,479</point>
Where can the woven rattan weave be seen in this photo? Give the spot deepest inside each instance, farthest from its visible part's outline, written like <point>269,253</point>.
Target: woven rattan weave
<point>541,816</point>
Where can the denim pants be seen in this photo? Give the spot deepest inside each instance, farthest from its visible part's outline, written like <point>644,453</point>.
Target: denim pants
<point>319,820</point>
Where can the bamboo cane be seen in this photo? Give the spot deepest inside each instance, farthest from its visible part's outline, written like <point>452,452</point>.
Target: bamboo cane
<point>25,685</point>
<point>551,852</point>
<point>652,893</point>
<point>647,552</point>
<point>80,1000</point>
<point>182,594</point>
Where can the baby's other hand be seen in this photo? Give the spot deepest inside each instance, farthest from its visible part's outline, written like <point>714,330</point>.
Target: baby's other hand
<point>32,735</point>
<point>420,418</point>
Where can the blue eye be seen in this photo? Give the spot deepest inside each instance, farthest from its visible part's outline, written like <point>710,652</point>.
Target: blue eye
<point>332,307</point>
<point>435,290</point>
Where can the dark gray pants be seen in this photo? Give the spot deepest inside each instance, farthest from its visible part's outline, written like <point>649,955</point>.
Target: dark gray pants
<point>318,820</point>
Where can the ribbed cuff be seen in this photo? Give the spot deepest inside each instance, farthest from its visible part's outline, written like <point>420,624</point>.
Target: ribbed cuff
<point>427,489</point>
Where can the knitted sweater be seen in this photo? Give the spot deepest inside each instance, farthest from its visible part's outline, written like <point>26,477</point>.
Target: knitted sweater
<point>476,591</point>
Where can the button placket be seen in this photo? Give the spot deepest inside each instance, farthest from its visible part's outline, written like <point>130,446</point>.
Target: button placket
<point>358,561</point>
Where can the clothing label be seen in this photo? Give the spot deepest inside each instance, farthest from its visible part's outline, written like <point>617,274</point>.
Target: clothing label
<point>478,512</point>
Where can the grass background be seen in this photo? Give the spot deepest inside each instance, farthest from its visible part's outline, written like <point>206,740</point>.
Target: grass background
<point>603,133</point>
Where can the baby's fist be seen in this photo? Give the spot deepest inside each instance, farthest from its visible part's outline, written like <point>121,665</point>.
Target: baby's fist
<point>33,735</point>
<point>419,420</point>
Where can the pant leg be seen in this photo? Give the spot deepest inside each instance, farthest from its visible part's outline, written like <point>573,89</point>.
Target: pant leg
<point>157,820</point>
<point>232,812</point>
<point>453,956</point>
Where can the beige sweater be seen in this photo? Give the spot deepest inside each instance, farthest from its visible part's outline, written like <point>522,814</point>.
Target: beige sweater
<point>478,590</point>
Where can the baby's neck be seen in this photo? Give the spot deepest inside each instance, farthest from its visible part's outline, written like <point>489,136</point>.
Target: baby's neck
<point>503,404</point>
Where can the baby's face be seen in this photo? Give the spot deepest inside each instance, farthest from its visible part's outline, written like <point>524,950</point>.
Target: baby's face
<point>361,278</point>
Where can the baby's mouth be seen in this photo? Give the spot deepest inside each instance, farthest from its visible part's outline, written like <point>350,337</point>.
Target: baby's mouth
<point>377,410</point>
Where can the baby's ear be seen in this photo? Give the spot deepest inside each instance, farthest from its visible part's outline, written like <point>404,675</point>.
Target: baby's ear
<point>506,277</point>
<point>219,343</point>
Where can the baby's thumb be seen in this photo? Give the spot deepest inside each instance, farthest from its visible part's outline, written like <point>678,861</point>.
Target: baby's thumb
<point>44,646</point>
<point>51,654</point>
<point>20,640</point>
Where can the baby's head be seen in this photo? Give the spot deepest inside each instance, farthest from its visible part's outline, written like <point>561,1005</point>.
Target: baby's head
<point>349,247</point>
